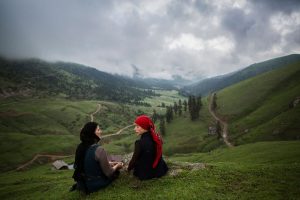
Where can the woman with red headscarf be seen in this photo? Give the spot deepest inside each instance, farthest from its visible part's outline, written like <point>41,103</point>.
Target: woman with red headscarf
<point>147,161</point>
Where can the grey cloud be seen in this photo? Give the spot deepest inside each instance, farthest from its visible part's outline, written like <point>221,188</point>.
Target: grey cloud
<point>115,36</point>
<point>238,23</point>
<point>287,6</point>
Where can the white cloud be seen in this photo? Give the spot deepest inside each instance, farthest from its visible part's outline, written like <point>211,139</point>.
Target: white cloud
<point>284,23</point>
<point>185,40</point>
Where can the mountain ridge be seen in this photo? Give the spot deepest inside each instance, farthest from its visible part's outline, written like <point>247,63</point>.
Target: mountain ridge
<point>214,84</point>
<point>35,77</point>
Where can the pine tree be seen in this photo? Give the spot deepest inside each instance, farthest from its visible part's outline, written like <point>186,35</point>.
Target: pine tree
<point>195,105</point>
<point>214,103</point>
<point>184,105</point>
<point>198,106</point>
<point>175,108</point>
<point>190,103</point>
<point>162,126</point>
<point>169,114</point>
<point>179,107</point>
<point>154,116</point>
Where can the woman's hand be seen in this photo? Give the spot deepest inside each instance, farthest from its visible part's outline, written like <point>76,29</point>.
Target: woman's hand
<point>112,163</point>
<point>117,165</point>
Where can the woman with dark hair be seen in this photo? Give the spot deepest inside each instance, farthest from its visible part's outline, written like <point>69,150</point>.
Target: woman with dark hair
<point>147,161</point>
<point>93,171</point>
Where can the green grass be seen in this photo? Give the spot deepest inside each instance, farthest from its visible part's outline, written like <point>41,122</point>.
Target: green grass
<point>260,153</point>
<point>37,125</point>
<point>168,97</point>
<point>258,109</point>
<point>263,170</point>
<point>266,170</point>
<point>17,148</point>
<point>184,135</point>
<point>33,126</point>
<point>243,98</point>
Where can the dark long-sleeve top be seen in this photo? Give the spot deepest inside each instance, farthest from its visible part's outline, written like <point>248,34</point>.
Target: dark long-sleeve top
<point>135,156</point>
<point>143,158</point>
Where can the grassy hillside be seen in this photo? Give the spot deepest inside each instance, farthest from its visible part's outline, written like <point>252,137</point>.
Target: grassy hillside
<point>32,126</point>
<point>268,170</point>
<point>258,109</point>
<point>206,86</point>
<point>185,136</point>
<point>125,144</point>
<point>38,78</point>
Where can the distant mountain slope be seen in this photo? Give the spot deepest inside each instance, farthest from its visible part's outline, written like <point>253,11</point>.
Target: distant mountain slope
<point>265,107</point>
<point>33,77</point>
<point>174,84</point>
<point>206,86</point>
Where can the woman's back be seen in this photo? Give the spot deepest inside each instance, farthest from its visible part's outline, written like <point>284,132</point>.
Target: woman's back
<point>146,151</point>
<point>94,175</point>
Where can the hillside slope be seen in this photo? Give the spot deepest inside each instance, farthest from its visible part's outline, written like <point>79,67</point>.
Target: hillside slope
<point>268,170</point>
<point>213,84</point>
<point>32,126</point>
<point>264,107</point>
<point>33,77</point>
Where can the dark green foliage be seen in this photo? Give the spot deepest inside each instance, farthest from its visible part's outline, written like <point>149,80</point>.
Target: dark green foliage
<point>214,102</point>
<point>175,108</point>
<point>195,105</point>
<point>179,107</point>
<point>162,126</point>
<point>38,78</point>
<point>185,105</point>
<point>155,116</point>
<point>169,114</point>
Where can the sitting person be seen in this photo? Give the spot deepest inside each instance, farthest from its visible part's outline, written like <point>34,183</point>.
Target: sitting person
<point>147,161</point>
<point>93,171</point>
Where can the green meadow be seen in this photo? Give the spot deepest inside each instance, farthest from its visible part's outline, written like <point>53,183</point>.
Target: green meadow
<point>265,170</point>
<point>264,164</point>
<point>258,109</point>
<point>33,126</point>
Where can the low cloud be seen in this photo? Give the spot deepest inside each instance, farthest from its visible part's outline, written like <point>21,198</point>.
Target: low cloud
<point>151,39</point>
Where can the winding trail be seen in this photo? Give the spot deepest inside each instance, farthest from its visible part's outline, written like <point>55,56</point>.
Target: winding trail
<point>94,113</point>
<point>119,132</point>
<point>55,157</point>
<point>37,156</point>
<point>223,123</point>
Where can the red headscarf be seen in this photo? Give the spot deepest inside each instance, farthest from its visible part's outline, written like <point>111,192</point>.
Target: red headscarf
<point>146,123</point>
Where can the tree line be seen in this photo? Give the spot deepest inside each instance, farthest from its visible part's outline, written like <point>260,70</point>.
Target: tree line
<point>192,106</point>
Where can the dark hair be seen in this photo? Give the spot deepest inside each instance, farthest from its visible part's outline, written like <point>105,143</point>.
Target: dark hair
<point>87,133</point>
<point>88,138</point>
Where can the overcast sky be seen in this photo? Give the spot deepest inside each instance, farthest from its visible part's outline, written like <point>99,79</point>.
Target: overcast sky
<point>153,38</point>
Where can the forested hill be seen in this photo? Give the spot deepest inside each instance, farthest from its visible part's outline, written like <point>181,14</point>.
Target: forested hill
<point>33,77</point>
<point>206,86</point>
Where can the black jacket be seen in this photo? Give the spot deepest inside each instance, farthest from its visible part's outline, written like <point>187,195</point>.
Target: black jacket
<point>143,158</point>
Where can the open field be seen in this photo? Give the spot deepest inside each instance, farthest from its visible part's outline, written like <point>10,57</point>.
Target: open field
<point>269,170</point>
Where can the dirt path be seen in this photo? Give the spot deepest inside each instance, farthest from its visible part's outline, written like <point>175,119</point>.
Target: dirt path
<point>55,157</point>
<point>94,113</point>
<point>37,156</point>
<point>223,123</point>
<point>117,133</point>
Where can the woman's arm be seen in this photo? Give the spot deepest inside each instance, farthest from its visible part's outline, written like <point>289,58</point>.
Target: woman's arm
<point>101,157</point>
<point>135,156</point>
